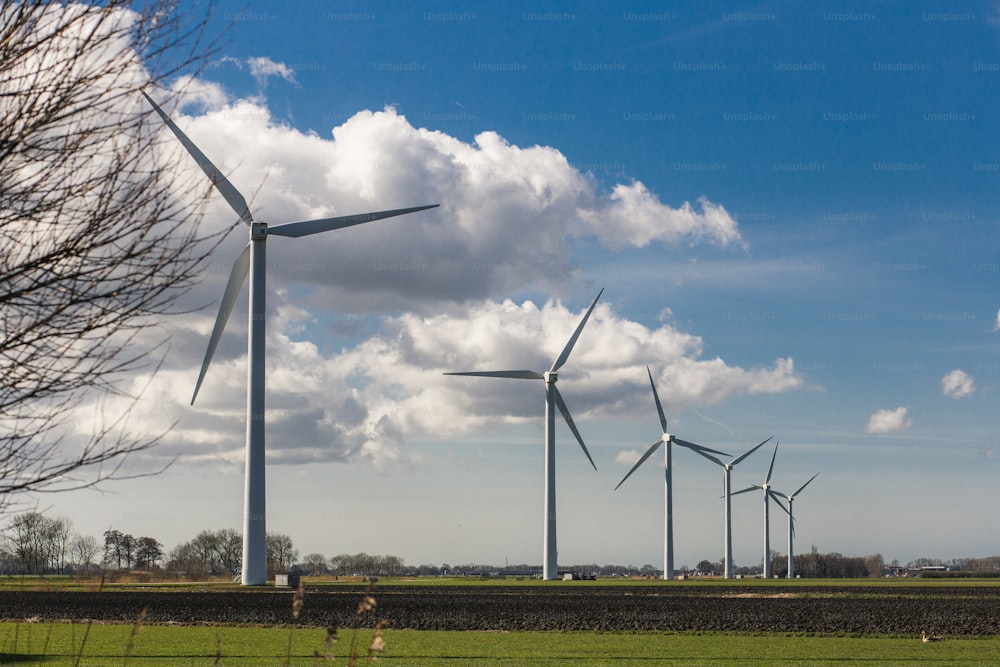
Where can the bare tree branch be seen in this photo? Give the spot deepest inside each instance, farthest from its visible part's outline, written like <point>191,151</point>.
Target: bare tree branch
<point>95,248</point>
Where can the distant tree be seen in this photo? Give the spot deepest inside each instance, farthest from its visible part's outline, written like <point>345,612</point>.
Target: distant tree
<point>315,562</point>
<point>119,549</point>
<point>229,548</point>
<point>184,559</point>
<point>281,553</point>
<point>96,247</point>
<point>393,565</point>
<point>148,551</point>
<point>112,548</point>
<point>34,541</point>
<point>128,550</point>
<point>83,550</point>
<point>706,567</point>
<point>206,548</point>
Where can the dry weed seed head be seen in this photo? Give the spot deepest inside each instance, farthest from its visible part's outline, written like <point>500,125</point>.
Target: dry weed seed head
<point>298,600</point>
<point>367,604</point>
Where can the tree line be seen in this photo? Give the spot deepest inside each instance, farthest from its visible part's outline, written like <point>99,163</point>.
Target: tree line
<point>33,543</point>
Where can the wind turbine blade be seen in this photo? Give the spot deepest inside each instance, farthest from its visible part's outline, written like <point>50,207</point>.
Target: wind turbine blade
<point>307,227</point>
<point>576,334</point>
<point>236,277</point>
<point>804,485</point>
<point>709,457</point>
<point>776,498</point>
<point>227,189</point>
<point>569,422</point>
<point>642,459</point>
<point>656,397</point>
<point>748,453</point>
<point>770,468</point>
<point>754,487</point>
<point>698,448</point>
<point>516,375</point>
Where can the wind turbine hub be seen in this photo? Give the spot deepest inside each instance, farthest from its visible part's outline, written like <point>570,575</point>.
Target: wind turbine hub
<point>667,438</point>
<point>258,231</point>
<point>550,377</point>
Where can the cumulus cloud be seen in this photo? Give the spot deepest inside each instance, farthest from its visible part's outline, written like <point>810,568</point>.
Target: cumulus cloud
<point>505,223</point>
<point>958,384</point>
<point>884,422</point>
<point>996,323</point>
<point>366,401</point>
<point>363,322</point>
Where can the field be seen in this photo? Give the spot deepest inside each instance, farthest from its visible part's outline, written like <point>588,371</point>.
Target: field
<point>493,623</point>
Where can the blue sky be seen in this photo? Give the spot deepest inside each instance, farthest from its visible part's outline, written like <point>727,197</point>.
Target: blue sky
<point>792,211</point>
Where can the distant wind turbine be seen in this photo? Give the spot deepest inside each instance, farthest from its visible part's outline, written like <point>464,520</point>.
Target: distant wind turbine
<point>253,261</point>
<point>791,527</point>
<point>550,567</point>
<point>727,468</point>
<point>667,440</point>
<point>768,494</point>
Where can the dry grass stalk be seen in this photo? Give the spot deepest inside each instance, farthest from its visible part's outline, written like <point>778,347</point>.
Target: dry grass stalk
<point>135,631</point>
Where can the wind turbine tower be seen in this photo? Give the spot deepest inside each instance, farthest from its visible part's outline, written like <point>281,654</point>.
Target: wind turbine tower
<point>728,531</point>
<point>667,440</point>
<point>553,400</point>
<point>791,528</point>
<point>768,494</point>
<point>253,261</point>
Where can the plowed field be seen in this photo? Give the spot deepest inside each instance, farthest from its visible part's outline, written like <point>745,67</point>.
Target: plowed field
<point>969,611</point>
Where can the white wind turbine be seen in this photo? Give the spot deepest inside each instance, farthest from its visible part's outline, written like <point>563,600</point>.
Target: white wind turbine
<point>727,468</point>
<point>253,261</point>
<point>791,526</point>
<point>768,494</point>
<point>667,440</point>
<point>550,568</point>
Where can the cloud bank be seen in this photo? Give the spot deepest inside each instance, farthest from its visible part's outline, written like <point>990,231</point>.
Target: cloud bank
<point>363,322</point>
<point>506,220</point>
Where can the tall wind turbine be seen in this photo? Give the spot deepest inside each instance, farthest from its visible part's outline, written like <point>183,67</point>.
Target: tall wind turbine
<point>667,440</point>
<point>768,494</point>
<point>791,527</point>
<point>252,261</point>
<point>550,567</point>
<point>727,468</point>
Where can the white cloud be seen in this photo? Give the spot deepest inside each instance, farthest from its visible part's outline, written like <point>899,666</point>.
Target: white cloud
<point>996,324</point>
<point>367,401</point>
<point>507,213</point>
<point>884,422</point>
<point>634,216</point>
<point>958,384</point>
<point>263,68</point>
<point>506,220</point>
<point>628,456</point>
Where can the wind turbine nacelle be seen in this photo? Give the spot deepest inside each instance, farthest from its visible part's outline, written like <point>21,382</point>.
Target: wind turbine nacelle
<point>550,376</point>
<point>667,439</point>
<point>258,231</point>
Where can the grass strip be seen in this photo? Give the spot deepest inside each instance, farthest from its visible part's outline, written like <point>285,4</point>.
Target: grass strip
<point>105,645</point>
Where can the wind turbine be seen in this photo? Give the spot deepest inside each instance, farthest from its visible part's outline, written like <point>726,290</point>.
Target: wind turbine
<point>768,494</point>
<point>253,261</point>
<point>727,468</point>
<point>550,567</point>
<point>791,527</point>
<point>667,440</point>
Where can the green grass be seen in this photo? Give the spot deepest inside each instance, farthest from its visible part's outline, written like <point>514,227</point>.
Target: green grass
<point>60,644</point>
